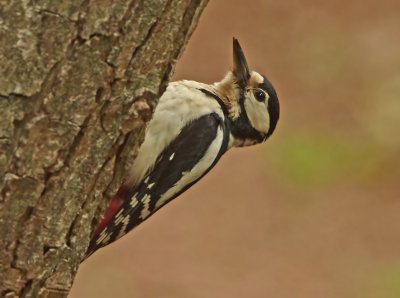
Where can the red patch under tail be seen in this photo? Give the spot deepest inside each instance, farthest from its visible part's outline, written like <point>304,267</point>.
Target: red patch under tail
<point>112,209</point>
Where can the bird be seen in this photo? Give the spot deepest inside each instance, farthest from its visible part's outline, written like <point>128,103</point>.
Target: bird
<point>193,125</point>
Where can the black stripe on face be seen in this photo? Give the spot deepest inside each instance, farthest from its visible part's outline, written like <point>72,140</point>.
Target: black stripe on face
<point>273,104</point>
<point>241,127</point>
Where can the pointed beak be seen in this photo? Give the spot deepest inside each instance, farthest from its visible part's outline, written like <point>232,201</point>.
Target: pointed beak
<point>240,67</point>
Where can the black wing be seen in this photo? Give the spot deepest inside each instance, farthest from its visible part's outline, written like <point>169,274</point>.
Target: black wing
<point>189,157</point>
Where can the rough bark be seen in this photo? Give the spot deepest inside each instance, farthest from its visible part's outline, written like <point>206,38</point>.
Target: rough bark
<point>78,82</point>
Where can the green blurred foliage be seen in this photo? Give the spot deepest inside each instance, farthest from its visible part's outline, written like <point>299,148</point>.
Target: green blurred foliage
<point>384,116</point>
<point>313,158</point>
<point>385,282</point>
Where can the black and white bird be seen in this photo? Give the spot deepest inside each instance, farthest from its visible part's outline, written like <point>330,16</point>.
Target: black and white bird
<point>193,125</point>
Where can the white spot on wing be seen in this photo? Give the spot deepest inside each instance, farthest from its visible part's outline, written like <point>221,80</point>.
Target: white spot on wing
<point>104,237</point>
<point>172,156</point>
<point>118,216</point>
<point>134,201</point>
<point>151,185</point>
<point>125,223</point>
<point>146,207</point>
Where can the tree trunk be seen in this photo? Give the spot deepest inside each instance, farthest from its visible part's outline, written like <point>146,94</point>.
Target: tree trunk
<point>78,82</point>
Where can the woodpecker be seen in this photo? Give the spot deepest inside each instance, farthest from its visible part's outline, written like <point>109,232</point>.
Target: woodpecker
<point>193,125</point>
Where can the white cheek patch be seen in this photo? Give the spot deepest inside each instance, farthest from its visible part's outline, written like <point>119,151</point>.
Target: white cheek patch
<point>257,112</point>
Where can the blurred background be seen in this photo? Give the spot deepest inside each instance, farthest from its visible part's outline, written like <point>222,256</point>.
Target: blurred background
<point>315,211</point>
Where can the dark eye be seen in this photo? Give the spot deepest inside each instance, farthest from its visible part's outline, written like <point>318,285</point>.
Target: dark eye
<point>259,95</point>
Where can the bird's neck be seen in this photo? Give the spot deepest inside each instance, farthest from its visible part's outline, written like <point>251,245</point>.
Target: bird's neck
<point>228,91</point>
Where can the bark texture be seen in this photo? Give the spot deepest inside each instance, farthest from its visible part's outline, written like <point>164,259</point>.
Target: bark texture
<point>78,82</point>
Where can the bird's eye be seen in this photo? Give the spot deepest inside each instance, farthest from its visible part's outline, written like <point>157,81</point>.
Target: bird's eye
<point>259,95</point>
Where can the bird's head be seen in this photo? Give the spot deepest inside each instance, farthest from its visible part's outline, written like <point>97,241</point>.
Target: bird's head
<point>251,100</point>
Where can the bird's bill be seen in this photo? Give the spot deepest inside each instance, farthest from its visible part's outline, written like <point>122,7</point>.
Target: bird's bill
<point>240,67</point>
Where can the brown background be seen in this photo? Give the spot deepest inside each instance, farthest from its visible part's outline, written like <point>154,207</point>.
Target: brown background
<point>315,211</point>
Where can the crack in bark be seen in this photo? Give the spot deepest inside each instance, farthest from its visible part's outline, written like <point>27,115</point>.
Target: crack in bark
<point>89,194</point>
<point>118,167</point>
<point>11,94</point>
<point>148,35</point>
<point>143,42</point>
<point>77,139</point>
<point>14,262</point>
<point>127,15</point>
<point>81,18</point>
<point>23,219</point>
<point>46,11</point>
<point>20,125</point>
<point>25,290</point>
<point>118,149</point>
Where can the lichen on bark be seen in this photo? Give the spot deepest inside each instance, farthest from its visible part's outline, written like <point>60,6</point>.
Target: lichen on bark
<point>78,82</point>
